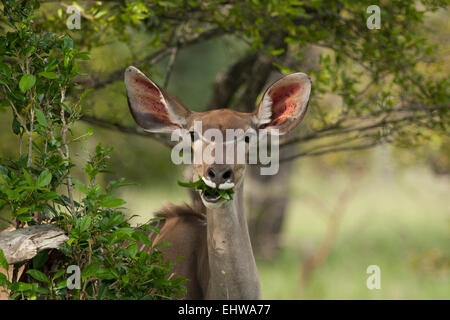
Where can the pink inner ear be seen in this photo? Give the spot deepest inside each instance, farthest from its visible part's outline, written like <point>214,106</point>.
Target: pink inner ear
<point>150,103</point>
<point>284,103</point>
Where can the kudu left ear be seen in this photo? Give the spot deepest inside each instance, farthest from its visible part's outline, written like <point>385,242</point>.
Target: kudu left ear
<point>284,103</point>
<point>152,108</point>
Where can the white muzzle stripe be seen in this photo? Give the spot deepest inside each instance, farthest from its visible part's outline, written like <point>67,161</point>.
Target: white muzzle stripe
<point>226,185</point>
<point>209,183</point>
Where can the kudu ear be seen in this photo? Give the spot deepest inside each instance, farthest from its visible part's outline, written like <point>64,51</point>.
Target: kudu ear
<point>152,108</point>
<point>284,103</point>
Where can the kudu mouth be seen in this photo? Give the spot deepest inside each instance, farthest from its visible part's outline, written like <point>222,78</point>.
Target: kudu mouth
<point>215,192</point>
<point>209,197</point>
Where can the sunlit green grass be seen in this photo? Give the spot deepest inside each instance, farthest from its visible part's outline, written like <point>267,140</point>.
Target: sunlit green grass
<point>399,222</point>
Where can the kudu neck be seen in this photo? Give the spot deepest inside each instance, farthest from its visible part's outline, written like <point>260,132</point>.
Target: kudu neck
<point>233,273</point>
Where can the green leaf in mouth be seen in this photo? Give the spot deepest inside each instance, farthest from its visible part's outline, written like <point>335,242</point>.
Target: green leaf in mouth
<point>201,185</point>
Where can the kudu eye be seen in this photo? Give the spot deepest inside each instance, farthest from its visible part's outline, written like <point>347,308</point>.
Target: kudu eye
<point>194,136</point>
<point>247,139</point>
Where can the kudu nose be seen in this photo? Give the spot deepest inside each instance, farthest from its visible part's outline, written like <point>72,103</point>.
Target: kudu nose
<point>219,176</point>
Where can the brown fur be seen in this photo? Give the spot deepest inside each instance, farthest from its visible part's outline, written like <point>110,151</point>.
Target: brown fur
<point>185,229</point>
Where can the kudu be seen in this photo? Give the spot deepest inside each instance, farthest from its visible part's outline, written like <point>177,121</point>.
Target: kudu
<point>212,235</point>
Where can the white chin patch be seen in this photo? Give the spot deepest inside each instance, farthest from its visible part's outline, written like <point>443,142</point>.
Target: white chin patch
<point>213,205</point>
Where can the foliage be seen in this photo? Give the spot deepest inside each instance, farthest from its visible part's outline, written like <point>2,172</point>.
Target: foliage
<point>201,185</point>
<point>117,261</point>
<point>374,77</point>
<point>370,86</point>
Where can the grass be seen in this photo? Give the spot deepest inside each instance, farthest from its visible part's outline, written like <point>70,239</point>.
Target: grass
<point>398,220</point>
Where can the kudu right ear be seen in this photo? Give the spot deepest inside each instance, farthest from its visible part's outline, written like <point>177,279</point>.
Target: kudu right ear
<point>152,108</point>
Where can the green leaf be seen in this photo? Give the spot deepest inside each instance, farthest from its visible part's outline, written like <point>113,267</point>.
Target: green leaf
<point>104,274</point>
<point>82,188</point>
<point>83,55</point>
<point>40,259</point>
<point>42,290</point>
<point>90,270</point>
<point>3,262</point>
<point>3,280</point>
<point>84,223</point>
<point>21,286</point>
<point>22,210</point>
<point>49,75</point>
<point>112,203</point>
<point>41,118</point>
<point>25,217</point>
<point>85,93</point>
<point>44,178</point>
<point>16,126</point>
<point>201,185</point>
<point>38,275</point>
<point>69,242</point>
<point>68,42</point>
<point>141,236</point>
<point>49,195</point>
<point>104,292</point>
<point>163,244</point>
<point>59,273</point>
<point>66,107</point>
<point>28,177</point>
<point>126,279</point>
<point>124,233</point>
<point>133,249</point>
<point>61,284</point>
<point>26,82</point>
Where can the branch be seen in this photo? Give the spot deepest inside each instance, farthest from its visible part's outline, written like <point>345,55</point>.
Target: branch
<point>332,147</point>
<point>154,57</point>
<point>333,129</point>
<point>228,82</point>
<point>25,243</point>
<point>169,69</point>
<point>66,158</point>
<point>252,71</point>
<point>164,139</point>
<point>335,215</point>
<point>334,150</point>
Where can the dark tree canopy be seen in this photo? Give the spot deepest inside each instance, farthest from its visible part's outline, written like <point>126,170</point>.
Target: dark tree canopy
<point>370,86</point>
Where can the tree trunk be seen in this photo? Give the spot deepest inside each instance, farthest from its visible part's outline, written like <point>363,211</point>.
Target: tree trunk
<point>267,196</point>
<point>267,200</point>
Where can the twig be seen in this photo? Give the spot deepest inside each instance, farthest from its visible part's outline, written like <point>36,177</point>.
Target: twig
<point>30,138</point>
<point>328,131</point>
<point>333,150</point>
<point>334,221</point>
<point>64,130</point>
<point>169,69</point>
<point>156,57</point>
<point>130,130</point>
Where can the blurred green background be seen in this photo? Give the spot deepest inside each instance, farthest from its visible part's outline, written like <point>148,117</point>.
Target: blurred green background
<point>386,206</point>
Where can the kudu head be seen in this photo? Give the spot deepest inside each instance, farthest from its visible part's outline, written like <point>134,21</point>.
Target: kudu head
<point>281,109</point>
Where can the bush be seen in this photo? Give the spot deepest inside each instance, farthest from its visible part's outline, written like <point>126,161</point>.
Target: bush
<point>116,261</point>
